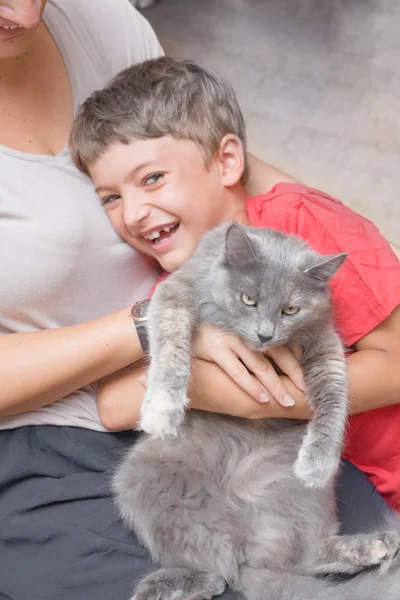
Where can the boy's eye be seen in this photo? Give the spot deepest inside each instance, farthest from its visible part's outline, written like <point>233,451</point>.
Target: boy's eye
<point>109,199</point>
<point>290,310</point>
<point>247,300</point>
<point>152,179</point>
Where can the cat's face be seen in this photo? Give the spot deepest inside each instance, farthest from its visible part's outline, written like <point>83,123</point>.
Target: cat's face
<point>277,286</point>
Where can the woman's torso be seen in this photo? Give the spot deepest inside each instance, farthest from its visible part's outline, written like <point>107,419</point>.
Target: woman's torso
<point>62,262</point>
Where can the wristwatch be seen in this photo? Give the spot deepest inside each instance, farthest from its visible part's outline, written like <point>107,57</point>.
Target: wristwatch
<point>139,314</point>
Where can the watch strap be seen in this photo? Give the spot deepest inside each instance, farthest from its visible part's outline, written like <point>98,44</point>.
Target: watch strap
<point>143,335</point>
<point>139,314</point>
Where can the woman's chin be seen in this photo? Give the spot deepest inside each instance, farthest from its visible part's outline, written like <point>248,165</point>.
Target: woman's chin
<point>16,46</point>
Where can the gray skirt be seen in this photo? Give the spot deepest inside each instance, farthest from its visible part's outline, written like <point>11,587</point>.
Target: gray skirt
<point>60,535</point>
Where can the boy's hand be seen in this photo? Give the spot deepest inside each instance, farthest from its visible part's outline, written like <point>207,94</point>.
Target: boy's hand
<point>238,361</point>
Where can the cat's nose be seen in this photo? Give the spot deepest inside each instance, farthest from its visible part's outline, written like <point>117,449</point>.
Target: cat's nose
<point>264,338</point>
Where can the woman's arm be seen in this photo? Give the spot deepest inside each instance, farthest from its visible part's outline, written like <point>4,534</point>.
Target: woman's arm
<point>40,367</point>
<point>373,370</point>
<point>120,396</point>
<point>374,382</point>
<point>253,372</point>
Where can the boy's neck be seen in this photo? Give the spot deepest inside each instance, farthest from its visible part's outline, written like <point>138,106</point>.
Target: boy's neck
<point>236,205</point>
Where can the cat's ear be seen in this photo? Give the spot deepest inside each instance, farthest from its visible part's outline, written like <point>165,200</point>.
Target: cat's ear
<point>326,267</point>
<point>238,247</point>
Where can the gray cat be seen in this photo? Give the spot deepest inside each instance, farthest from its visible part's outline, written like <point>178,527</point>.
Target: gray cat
<point>270,289</point>
<point>219,502</point>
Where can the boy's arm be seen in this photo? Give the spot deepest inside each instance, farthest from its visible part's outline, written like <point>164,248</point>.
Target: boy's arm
<point>263,177</point>
<point>396,249</point>
<point>374,382</point>
<point>119,398</point>
<point>374,369</point>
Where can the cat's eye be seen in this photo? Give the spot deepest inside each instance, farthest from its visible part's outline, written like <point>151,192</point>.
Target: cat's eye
<point>247,300</point>
<point>290,310</point>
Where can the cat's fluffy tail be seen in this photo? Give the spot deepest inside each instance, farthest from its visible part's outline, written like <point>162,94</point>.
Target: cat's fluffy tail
<point>367,586</point>
<point>379,584</point>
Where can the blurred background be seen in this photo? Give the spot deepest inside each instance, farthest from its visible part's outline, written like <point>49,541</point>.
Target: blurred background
<point>319,86</point>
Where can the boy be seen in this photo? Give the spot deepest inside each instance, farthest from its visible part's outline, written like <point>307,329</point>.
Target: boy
<point>165,146</point>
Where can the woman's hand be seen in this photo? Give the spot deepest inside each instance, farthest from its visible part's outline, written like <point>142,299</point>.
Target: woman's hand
<point>235,358</point>
<point>211,389</point>
<point>120,396</point>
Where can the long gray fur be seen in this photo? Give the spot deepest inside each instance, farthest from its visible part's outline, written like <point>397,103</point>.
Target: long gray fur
<point>232,501</point>
<point>276,271</point>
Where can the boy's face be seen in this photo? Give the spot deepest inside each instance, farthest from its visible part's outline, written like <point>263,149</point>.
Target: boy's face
<point>161,197</point>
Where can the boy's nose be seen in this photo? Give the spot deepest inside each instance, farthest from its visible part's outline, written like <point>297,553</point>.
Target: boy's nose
<point>134,215</point>
<point>25,13</point>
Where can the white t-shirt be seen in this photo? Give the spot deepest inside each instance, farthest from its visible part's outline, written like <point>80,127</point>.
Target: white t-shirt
<point>61,262</point>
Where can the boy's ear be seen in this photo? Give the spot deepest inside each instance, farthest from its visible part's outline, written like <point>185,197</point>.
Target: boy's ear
<point>231,159</point>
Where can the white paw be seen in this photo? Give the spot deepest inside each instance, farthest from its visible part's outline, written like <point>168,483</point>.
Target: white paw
<point>376,549</point>
<point>315,468</point>
<point>160,416</point>
<point>387,549</point>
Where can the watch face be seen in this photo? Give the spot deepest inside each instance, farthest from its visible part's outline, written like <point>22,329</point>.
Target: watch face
<point>140,310</point>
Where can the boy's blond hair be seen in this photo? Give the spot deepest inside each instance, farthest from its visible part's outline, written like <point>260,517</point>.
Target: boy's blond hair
<point>156,98</point>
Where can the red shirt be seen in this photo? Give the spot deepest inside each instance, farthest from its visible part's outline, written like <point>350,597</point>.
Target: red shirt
<point>365,291</point>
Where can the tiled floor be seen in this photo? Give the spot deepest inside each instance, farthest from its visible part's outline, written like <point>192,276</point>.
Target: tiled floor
<point>319,84</point>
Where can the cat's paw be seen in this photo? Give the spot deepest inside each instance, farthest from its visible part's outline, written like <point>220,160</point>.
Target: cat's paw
<point>385,548</point>
<point>315,466</point>
<point>179,584</point>
<point>373,549</point>
<point>160,417</point>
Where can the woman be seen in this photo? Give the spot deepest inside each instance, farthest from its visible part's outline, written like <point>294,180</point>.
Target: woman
<point>64,276</point>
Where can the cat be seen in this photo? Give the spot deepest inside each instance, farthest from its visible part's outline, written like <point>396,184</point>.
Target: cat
<point>270,289</point>
<point>219,503</point>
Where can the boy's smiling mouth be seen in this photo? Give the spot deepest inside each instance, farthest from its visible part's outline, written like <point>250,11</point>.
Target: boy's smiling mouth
<point>161,234</point>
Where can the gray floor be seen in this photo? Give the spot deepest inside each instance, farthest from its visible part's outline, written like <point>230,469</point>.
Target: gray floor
<point>319,84</point>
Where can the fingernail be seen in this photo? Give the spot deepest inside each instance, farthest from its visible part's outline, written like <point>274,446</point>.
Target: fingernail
<point>288,400</point>
<point>264,397</point>
<point>143,380</point>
